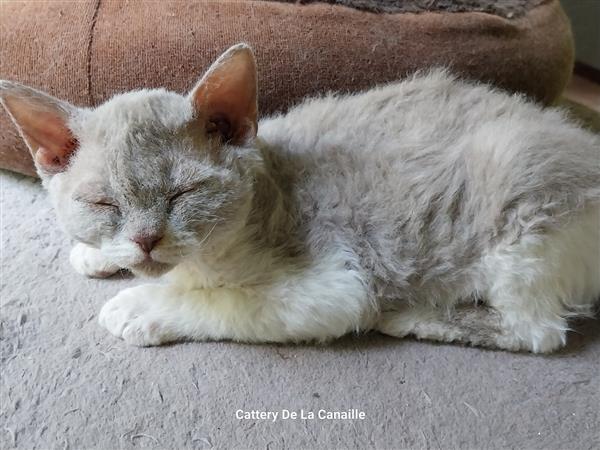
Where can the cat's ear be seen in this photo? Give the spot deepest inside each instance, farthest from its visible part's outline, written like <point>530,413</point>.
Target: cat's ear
<point>225,99</point>
<point>42,121</point>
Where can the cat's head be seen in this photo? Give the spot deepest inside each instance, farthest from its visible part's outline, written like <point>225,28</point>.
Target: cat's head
<point>150,176</point>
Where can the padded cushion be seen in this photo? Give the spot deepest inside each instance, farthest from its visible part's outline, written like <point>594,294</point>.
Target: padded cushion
<point>87,51</point>
<point>504,8</point>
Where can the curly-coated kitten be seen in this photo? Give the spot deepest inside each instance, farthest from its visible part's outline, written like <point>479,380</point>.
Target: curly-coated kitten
<point>431,207</point>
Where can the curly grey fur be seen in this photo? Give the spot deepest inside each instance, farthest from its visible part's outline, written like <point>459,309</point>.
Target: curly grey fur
<point>421,200</point>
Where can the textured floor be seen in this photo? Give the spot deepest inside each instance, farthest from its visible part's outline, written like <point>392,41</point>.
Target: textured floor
<point>67,384</point>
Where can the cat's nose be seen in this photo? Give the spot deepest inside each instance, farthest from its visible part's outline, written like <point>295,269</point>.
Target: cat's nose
<point>147,242</point>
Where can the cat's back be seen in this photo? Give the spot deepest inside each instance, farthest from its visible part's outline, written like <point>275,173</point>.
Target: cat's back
<point>437,130</point>
<point>432,108</point>
<point>426,108</point>
<point>420,176</point>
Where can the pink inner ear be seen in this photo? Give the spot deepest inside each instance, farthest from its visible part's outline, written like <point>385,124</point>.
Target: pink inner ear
<point>46,133</point>
<point>226,96</point>
<point>53,161</point>
<point>54,142</point>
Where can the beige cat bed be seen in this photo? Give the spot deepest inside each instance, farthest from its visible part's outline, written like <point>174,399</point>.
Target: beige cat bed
<point>86,51</point>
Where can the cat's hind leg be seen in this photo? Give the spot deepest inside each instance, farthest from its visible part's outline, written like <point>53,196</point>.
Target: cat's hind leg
<point>465,324</point>
<point>532,287</point>
<point>542,280</point>
<point>479,326</point>
<point>91,262</point>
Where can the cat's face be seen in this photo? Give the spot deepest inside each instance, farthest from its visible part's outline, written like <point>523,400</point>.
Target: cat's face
<point>150,177</point>
<point>147,185</point>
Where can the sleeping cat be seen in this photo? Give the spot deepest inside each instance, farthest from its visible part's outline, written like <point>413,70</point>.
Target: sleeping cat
<point>431,207</point>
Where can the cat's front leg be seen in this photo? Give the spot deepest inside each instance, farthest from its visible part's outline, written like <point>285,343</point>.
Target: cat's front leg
<point>320,305</point>
<point>153,314</point>
<point>91,262</point>
<point>138,315</point>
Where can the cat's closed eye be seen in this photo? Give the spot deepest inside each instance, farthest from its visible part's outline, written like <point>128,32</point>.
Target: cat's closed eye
<point>97,201</point>
<point>105,203</point>
<point>181,192</point>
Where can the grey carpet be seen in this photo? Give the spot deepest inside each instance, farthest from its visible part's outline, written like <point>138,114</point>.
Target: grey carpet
<point>67,384</point>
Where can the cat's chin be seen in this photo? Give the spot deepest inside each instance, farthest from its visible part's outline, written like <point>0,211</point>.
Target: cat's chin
<point>151,268</point>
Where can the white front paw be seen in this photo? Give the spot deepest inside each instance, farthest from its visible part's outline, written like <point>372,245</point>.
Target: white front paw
<point>129,316</point>
<point>90,262</point>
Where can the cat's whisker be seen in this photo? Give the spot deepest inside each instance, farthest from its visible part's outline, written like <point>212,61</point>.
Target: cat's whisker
<point>208,234</point>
